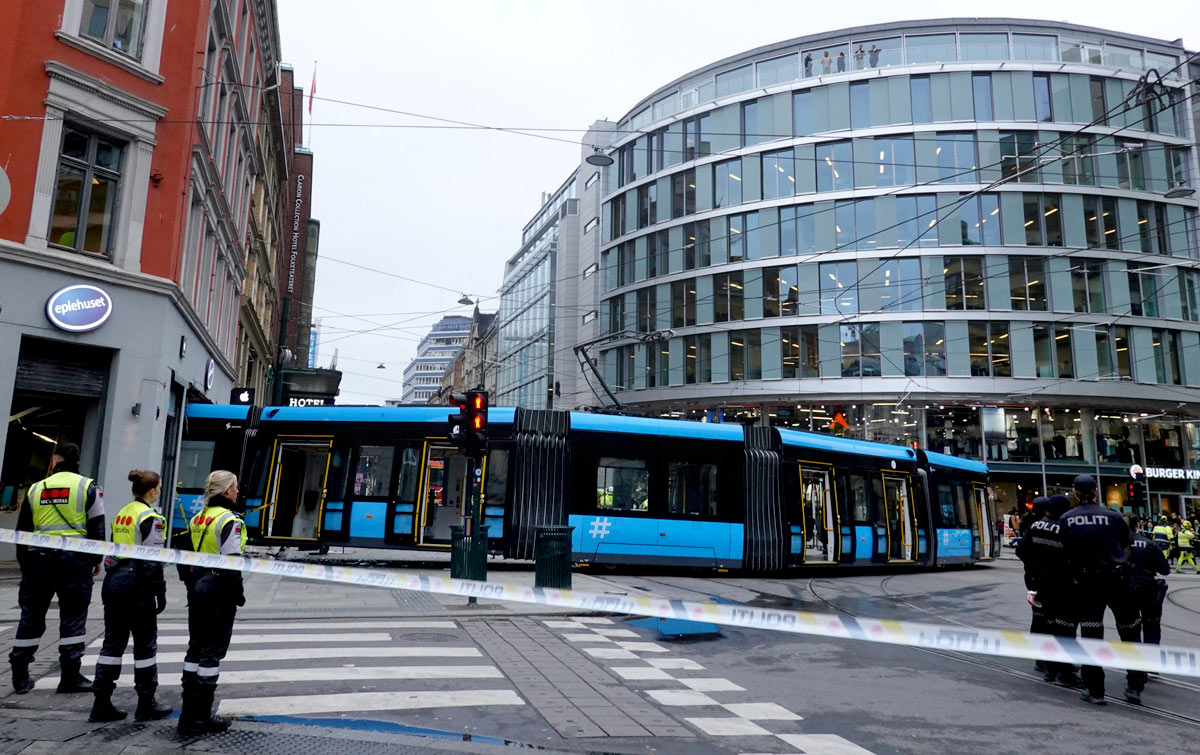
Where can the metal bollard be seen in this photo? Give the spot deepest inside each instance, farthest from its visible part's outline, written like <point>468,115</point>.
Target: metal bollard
<point>552,556</point>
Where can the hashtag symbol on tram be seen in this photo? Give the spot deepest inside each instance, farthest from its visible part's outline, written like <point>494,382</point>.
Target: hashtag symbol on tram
<point>600,527</point>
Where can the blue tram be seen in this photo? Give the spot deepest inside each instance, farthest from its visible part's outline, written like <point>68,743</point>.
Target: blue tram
<point>636,490</point>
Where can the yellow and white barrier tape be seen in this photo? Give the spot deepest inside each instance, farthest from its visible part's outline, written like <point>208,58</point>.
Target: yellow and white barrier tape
<point>1164,659</point>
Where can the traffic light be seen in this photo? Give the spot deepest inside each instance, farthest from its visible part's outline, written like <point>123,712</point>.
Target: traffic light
<point>468,426</point>
<point>1137,493</point>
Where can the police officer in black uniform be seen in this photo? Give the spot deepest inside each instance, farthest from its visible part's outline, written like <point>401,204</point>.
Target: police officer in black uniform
<point>1037,623</point>
<point>1046,570</point>
<point>1149,590</point>
<point>1097,544</point>
<point>69,505</point>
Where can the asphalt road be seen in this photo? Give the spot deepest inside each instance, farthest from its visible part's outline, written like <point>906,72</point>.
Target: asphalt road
<point>615,685</point>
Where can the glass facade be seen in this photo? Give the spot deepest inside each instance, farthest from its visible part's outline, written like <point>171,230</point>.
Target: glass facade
<point>842,234</point>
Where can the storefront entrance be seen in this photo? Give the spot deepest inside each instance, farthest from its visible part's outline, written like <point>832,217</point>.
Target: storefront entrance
<point>58,398</point>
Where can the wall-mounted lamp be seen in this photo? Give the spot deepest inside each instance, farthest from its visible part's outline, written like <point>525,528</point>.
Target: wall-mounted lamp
<point>156,177</point>
<point>137,409</point>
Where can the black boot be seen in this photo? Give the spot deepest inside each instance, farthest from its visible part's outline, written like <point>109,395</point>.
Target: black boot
<point>71,680</point>
<point>196,717</point>
<point>149,709</point>
<point>21,681</point>
<point>103,709</point>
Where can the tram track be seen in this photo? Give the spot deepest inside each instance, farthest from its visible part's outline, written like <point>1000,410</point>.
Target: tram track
<point>1009,670</point>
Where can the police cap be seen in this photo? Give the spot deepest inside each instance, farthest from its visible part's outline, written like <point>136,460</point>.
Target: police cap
<point>1059,505</point>
<point>1085,482</point>
<point>1041,505</point>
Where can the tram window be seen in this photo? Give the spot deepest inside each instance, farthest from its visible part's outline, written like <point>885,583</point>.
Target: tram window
<point>877,489</point>
<point>860,502</point>
<point>374,472</point>
<point>410,475</point>
<point>195,462</point>
<point>961,502</point>
<point>496,485</point>
<point>622,484</point>
<point>693,489</point>
<point>945,505</point>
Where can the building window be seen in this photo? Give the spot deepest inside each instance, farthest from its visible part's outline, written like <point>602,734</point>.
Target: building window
<point>1087,286</point>
<point>728,304</point>
<point>591,224</point>
<point>683,194</point>
<point>860,105</point>
<point>1062,349</point>
<point>1077,167</point>
<point>745,355</point>
<point>963,278</point>
<point>683,303</point>
<point>922,100</point>
<point>119,28</point>
<point>989,350</point>
<point>895,159</point>
<point>1130,174</point>
<point>727,183</point>
<point>1043,221</point>
<point>1042,106</point>
<point>956,160</point>
<point>1018,156</point>
<point>799,350</point>
<point>981,88</point>
<point>592,180</point>
<point>1166,357</point>
<point>589,317</point>
<point>780,291</point>
<point>85,198</point>
<point>839,288</point>
<point>835,166</point>
<point>1027,283</point>
<point>778,174</point>
<point>1143,291</point>
<point>750,128</point>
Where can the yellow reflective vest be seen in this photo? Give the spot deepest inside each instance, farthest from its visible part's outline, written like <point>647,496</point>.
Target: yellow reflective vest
<point>127,527</point>
<point>59,504</point>
<point>205,530</point>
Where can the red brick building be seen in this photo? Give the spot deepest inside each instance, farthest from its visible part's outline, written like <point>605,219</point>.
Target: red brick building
<point>129,155</point>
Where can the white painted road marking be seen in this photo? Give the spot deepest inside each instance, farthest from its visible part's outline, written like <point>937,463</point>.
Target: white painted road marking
<point>301,653</point>
<point>616,633</point>
<point>711,685</point>
<point>271,639</point>
<point>642,647</point>
<point>586,637</point>
<point>283,624</point>
<point>760,711</point>
<point>367,701</point>
<point>823,744</point>
<point>593,620</point>
<point>681,664</point>
<point>564,625</point>
<point>728,727</point>
<point>609,653</point>
<point>640,673</point>
<point>331,674</point>
<point>680,697</point>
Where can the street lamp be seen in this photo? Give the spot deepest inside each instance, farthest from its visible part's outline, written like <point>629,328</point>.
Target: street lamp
<point>599,158</point>
<point>1179,191</point>
<point>465,301</point>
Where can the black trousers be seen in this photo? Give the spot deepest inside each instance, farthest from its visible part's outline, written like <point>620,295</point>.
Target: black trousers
<point>1148,595</point>
<point>1094,592</point>
<point>45,574</point>
<point>1057,618</point>
<point>212,605</point>
<point>128,609</point>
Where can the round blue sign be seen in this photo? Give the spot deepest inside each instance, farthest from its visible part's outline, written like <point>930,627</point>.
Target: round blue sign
<point>79,308</point>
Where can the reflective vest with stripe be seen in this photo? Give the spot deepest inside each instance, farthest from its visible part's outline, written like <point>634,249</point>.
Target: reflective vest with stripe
<point>127,527</point>
<point>205,529</point>
<point>1162,533</point>
<point>60,504</point>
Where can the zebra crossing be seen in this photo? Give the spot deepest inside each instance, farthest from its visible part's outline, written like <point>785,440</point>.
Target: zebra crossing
<point>713,705</point>
<point>356,666</point>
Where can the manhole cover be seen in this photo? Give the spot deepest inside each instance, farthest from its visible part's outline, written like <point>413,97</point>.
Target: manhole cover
<point>429,637</point>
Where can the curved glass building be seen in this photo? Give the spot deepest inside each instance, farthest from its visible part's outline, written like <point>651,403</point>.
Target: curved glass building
<point>967,235</point>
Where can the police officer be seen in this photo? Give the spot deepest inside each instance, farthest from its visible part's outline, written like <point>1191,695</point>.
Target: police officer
<point>1037,623</point>
<point>69,505</point>
<point>134,594</point>
<point>1097,546</point>
<point>1147,562</point>
<point>213,599</point>
<point>1046,571</point>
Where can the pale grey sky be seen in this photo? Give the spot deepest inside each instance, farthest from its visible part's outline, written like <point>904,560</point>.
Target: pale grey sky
<point>447,206</point>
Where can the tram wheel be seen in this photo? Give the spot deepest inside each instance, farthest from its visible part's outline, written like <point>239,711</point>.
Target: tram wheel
<point>324,549</point>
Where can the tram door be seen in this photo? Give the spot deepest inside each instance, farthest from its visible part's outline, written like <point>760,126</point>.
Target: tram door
<point>901,518</point>
<point>297,495</point>
<point>984,518</point>
<point>820,517</point>
<point>445,474</point>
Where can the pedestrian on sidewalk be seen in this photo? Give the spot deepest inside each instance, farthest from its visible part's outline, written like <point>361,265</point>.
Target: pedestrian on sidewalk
<point>214,596</point>
<point>134,594</point>
<point>65,504</point>
<point>1186,545</point>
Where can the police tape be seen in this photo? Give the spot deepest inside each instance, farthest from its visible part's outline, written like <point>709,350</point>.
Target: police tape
<point>1164,659</point>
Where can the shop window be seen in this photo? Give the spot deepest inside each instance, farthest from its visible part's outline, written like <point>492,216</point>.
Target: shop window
<point>1118,440</point>
<point>1063,436</point>
<point>86,192</point>
<point>954,431</point>
<point>1011,434</point>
